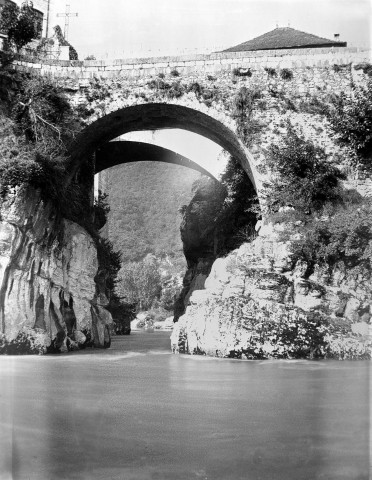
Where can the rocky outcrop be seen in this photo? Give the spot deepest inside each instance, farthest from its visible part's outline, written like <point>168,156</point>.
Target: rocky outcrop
<point>256,305</point>
<point>199,238</point>
<point>48,297</point>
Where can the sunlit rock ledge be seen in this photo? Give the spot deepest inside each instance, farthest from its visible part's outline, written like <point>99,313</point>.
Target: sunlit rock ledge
<point>255,305</point>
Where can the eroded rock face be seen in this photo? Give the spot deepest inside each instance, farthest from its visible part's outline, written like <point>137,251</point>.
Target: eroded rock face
<point>47,270</point>
<point>199,238</point>
<point>255,305</point>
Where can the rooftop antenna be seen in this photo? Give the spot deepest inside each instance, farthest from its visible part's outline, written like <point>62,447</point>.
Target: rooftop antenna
<point>67,16</point>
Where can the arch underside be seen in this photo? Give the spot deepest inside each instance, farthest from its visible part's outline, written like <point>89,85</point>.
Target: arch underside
<point>155,116</point>
<point>116,153</point>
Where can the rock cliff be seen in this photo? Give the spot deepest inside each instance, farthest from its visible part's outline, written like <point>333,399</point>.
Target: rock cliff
<point>49,301</point>
<point>256,304</point>
<point>199,238</point>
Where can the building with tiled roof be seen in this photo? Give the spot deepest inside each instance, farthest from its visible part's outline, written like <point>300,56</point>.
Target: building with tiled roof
<point>285,38</point>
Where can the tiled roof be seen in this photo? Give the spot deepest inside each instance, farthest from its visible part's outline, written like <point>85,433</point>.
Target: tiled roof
<point>285,37</point>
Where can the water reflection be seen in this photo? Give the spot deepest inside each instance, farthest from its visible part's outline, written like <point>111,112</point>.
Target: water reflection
<point>138,412</point>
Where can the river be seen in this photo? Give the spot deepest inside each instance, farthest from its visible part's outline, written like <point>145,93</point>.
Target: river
<point>137,412</point>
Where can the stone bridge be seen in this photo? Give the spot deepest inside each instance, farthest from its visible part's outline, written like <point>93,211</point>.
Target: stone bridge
<point>48,264</point>
<point>196,93</point>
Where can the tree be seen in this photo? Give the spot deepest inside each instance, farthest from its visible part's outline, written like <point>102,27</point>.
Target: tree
<point>20,24</point>
<point>101,209</point>
<point>351,120</point>
<point>140,282</point>
<point>238,215</point>
<point>303,177</point>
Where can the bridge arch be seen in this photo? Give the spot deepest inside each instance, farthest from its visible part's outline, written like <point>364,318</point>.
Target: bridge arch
<point>157,116</point>
<point>117,153</point>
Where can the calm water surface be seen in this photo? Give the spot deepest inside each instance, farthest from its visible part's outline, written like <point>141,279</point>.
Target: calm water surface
<point>137,412</point>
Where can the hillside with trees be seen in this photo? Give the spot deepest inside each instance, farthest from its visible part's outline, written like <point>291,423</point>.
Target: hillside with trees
<point>143,225</point>
<point>144,201</point>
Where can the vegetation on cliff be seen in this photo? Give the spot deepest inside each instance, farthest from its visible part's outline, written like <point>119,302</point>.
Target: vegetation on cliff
<point>37,127</point>
<point>38,124</point>
<point>302,175</point>
<point>351,122</point>
<point>221,215</point>
<point>334,224</point>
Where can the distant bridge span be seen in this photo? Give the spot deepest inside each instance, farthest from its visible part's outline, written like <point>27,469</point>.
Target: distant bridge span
<point>116,153</point>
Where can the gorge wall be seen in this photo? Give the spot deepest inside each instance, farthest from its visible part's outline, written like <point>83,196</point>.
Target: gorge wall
<point>68,304</point>
<point>49,300</point>
<point>255,304</point>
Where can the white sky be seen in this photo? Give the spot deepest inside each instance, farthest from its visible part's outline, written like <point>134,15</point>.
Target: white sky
<point>195,147</point>
<point>120,28</point>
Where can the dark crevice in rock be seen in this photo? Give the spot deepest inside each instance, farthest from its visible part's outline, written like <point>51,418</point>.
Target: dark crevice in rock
<point>40,313</point>
<point>32,283</point>
<point>67,312</point>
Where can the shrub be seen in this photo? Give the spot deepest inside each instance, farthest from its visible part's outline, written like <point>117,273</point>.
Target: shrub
<point>122,314</point>
<point>286,74</point>
<point>303,176</point>
<point>175,73</point>
<point>237,217</point>
<point>243,104</point>
<point>271,71</point>
<point>346,237</point>
<point>290,104</point>
<point>101,209</point>
<point>196,88</point>
<point>84,111</point>
<point>315,106</point>
<point>366,67</point>
<point>351,121</point>
<point>43,113</point>
<point>242,72</point>
<point>176,90</point>
<point>109,262</point>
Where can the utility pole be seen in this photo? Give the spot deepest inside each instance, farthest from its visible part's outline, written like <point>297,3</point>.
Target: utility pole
<point>47,20</point>
<point>67,16</point>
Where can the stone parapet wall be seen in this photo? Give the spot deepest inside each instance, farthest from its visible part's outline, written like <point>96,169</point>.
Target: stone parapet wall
<point>208,63</point>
